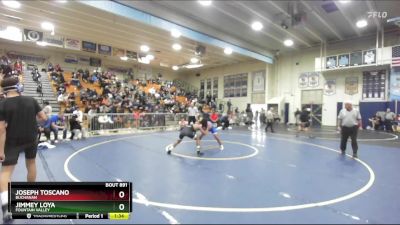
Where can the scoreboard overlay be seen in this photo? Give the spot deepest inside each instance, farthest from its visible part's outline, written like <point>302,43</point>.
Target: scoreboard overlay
<point>70,200</point>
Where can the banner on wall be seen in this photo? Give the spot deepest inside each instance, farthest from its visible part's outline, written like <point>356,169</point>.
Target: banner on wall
<point>104,49</point>
<point>72,59</point>
<point>119,52</point>
<point>96,62</point>
<point>313,79</point>
<point>395,84</point>
<point>259,81</point>
<point>55,41</point>
<point>89,46</point>
<point>351,85</point>
<point>131,54</point>
<point>84,60</point>
<point>74,44</point>
<point>303,80</point>
<point>33,35</point>
<point>330,87</point>
<point>120,70</point>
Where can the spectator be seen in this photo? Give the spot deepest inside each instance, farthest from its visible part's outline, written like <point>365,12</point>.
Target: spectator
<point>75,127</point>
<point>270,120</point>
<point>389,118</point>
<point>47,109</point>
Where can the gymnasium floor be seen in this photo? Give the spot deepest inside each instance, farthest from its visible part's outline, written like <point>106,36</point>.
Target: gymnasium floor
<point>259,177</point>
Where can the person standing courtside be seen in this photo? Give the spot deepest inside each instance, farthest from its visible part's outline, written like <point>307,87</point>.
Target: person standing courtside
<point>270,120</point>
<point>389,118</point>
<point>349,121</point>
<point>192,113</point>
<point>18,132</point>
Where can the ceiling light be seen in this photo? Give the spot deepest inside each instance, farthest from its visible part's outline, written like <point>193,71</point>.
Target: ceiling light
<point>47,26</point>
<point>62,1</point>
<point>192,66</point>
<point>124,58</point>
<point>344,1</point>
<point>288,42</point>
<point>164,64</point>
<point>205,2</point>
<point>144,60</point>
<point>11,33</point>
<point>150,57</point>
<point>175,67</point>
<point>144,48</point>
<point>228,51</point>
<point>175,33</point>
<point>11,4</point>
<point>361,23</point>
<point>176,47</point>
<point>257,26</point>
<point>194,60</point>
<point>41,43</point>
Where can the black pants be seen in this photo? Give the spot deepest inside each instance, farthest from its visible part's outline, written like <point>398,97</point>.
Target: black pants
<point>192,119</point>
<point>270,124</point>
<point>352,133</point>
<point>388,125</point>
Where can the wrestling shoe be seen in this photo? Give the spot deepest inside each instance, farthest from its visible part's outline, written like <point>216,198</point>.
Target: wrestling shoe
<point>198,150</point>
<point>169,148</point>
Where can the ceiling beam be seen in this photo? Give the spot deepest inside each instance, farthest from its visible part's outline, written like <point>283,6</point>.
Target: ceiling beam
<point>315,35</point>
<point>137,15</point>
<point>347,18</point>
<point>274,24</point>
<point>310,8</point>
<point>371,8</point>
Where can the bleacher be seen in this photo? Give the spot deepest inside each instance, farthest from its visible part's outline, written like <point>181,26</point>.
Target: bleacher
<point>96,86</point>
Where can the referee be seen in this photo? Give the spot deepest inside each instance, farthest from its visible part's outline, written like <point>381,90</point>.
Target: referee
<point>18,133</point>
<point>349,121</point>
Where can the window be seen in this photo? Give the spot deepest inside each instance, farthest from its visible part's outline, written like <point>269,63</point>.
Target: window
<point>201,89</point>
<point>215,87</point>
<point>235,85</point>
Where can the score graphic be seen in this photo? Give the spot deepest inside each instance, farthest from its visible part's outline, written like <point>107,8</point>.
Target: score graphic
<point>61,200</point>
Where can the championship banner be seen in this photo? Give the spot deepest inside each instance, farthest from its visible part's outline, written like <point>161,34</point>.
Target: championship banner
<point>351,85</point>
<point>33,35</point>
<point>104,49</point>
<point>119,52</point>
<point>119,70</point>
<point>331,62</point>
<point>303,80</point>
<point>330,87</point>
<point>84,60</point>
<point>72,44</point>
<point>259,81</point>
<point>96,62</point>
<point>73,59</point>
<point>369,56</point>
<point>131,54</point>
<point>89,46</point>
<point>395,84</point>
<point>313,79</point>
<point>344,60</point>
<point>55,41</point>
